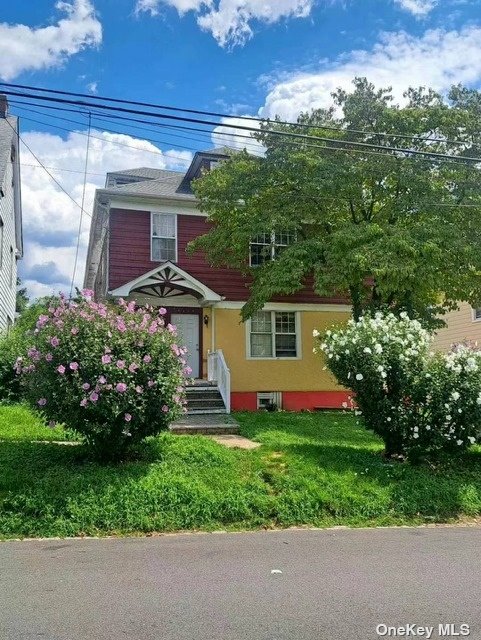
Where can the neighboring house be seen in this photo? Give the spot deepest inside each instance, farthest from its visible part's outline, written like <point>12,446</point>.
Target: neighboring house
<point>462,324</point>
<point>11,243</point>
<point>142,223</point>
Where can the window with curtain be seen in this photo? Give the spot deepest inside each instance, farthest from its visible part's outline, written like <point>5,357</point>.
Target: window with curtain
<point>164,242</point>
<point>273,334</point>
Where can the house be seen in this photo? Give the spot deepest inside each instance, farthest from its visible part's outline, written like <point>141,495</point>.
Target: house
<point>142,222</point>
<point>11,242</point>
<point>462,324</point>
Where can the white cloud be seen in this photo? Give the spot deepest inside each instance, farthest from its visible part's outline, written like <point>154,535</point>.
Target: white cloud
<point>93,87</point>
<point>438,60</point>
<point>229,21</point>
<point>224,136</point>
<point>25,48</point>
<point>50,218</point>
<point>418,8</point>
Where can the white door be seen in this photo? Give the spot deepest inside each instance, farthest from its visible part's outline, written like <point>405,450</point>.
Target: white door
<point>188,331</point>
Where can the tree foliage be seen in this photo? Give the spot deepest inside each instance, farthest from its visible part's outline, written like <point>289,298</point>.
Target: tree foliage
<point>382,228</point>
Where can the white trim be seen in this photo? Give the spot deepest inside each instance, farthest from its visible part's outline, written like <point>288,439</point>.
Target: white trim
<point>473,315</point>
<point>187,281</point>
<point>169,213</point>
<point>289,306</point>
<point>270,358</point>
<point>156,207</point>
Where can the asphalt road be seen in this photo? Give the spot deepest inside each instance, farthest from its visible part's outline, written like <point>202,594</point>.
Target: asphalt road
<point>334,585</point>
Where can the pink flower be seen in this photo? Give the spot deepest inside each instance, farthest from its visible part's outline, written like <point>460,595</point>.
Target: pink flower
<point>127,417</point>
<point>139,389</point>
<point>48,357</point>
<point>42,402</point>
<point>165,408</point>
<point>87,293</point>
<point>108,350</point>
<point>83,403</point>
<point>74,331</point>
<point>147,359</point>
<point>187,371</point>
<point>61,369</point>
<point>55,341</point>
<point>120,364</point>
<point>150,383</point>
<point>42,321</point>
<point>121,387</point>
<point>106,359</point>
<point>85,386</point>
<point>131,307</point>
<point>133,367</point>
<point>162,311</point>
<point>94,396</point>
<point>73,366</point>
<point>102,380</point>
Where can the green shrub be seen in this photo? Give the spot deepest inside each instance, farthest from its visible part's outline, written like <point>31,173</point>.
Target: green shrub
<point>112,374</point>
<point>418,402</point>
<point>12,344</point>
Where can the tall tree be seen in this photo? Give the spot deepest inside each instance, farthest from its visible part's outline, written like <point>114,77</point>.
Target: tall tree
<point>380,226</point>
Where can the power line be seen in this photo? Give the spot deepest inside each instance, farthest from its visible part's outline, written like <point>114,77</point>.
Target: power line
<point>291,135</point>
<point>215,114</point>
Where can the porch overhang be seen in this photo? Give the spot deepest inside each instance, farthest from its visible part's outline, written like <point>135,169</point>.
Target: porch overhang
<point>166,281</point>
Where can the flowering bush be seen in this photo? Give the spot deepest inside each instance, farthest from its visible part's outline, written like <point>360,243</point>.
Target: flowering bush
<point>416,401</point>
<point>113,374</point>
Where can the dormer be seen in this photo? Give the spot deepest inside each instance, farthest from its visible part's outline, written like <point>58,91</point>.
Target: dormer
<point>201,162</point>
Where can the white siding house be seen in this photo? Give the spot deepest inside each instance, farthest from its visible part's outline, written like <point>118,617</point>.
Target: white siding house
<point>11,244</point>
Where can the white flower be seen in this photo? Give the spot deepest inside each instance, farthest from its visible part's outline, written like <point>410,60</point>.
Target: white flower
<point>428,428</point>
<point>416,429</point>
<point>478,399</point>
<point>367,350</point>
<point>378,348</point>
<point>415,435</point>
<point>455,396</point>
<point>316,333</point>
<point>388,419</point>
<point>359,376</point>
<point>471,439</point>
<point>459,442</point>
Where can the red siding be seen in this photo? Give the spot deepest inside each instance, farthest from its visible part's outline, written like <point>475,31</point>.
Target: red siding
<point>293,400</point>
<point>129,257</point>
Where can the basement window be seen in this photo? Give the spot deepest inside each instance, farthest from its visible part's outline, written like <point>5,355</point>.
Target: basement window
<point>269,400</point>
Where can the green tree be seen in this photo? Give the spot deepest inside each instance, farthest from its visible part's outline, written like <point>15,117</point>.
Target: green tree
<point>22,297</point>
<point>382,228</point>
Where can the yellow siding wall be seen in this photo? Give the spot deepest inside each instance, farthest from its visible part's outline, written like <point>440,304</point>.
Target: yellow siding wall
<point>305,374</point>
<point>460,326</point>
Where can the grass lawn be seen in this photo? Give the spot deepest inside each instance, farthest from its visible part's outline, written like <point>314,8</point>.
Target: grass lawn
<point>313,469</point>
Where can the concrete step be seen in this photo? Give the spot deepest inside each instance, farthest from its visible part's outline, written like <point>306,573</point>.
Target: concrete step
<point>199,394</point>
<point>205,424</point>
<point>205,403</point>
<point>206,411</point>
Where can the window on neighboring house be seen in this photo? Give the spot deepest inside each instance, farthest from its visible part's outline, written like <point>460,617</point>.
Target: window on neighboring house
<point>273,334</point>
<point>164,237</point>
<point>267,246</point>
<point>1,243</point>
<point>476,314</point>
<point>12,260</point>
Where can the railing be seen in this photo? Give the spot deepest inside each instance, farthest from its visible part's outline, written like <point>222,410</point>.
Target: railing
<point>218,371</point>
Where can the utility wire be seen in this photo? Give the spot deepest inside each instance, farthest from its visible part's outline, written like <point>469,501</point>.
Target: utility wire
<point>404,136</point>
<point>291,135</point>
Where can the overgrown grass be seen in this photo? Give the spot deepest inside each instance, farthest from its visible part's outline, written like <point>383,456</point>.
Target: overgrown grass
<point>313,469</point>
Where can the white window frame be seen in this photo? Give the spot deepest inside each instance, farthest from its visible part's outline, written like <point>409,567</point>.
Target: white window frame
<point>273,245</point>
<point>297,319</point>
<point>162,213</point>
<point>474,314</point>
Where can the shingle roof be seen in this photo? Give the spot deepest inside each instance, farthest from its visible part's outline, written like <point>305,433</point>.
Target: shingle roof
<point>142,172</point>
<point>7,134</point>
<point>166,185</point>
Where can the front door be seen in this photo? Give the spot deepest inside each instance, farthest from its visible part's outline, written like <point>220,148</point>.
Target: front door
<point>188,331</point>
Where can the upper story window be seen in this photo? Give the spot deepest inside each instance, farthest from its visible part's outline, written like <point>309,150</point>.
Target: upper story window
<point>164,240</point>
<point>273,334</point>
<point>267,246</point>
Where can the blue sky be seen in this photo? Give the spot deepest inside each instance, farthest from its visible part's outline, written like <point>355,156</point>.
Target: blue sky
<point>240,57</point>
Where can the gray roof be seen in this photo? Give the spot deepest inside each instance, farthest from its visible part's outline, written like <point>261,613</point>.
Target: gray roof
<point>166,185</point>
<point>141,172</point>
<point>7,134</point>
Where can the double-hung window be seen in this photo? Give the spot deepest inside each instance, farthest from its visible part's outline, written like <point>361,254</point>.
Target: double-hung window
<point>273,334</point>
<point>267,246</point>
<point>164,242</point>
<point>476,314</point>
